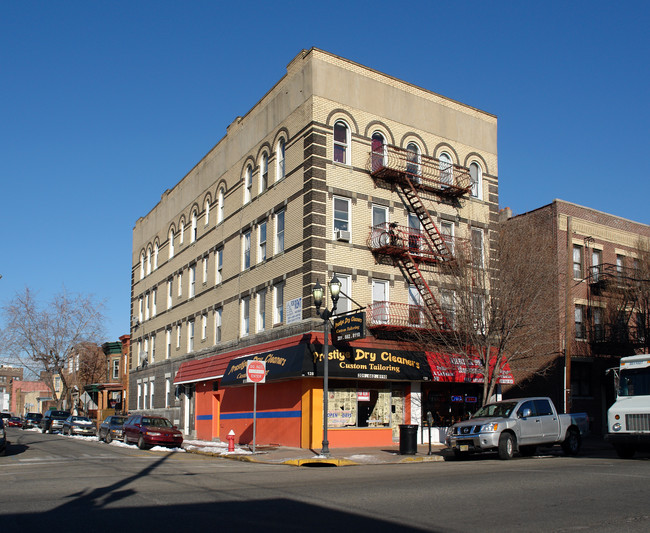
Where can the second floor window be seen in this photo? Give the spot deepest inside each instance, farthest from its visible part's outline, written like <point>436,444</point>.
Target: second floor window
<point>116,369</point>
<point>579,322</point>
<point>278,303</point>
<point>279,232</point>
<point>219,266</point>
<point>341,214</point>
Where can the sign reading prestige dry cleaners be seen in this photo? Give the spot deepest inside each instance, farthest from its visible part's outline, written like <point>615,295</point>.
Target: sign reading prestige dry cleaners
<point>370,363</point>
<point>350,327</point>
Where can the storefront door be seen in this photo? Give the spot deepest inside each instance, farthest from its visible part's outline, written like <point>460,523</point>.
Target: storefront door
<point>397,408</point>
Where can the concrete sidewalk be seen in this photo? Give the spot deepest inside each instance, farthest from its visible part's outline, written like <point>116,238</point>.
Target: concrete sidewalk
<point>338,456</point>
<point>283,455</point>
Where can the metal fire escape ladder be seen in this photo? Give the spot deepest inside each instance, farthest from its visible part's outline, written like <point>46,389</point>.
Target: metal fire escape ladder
<point>432,308</point>
<point>431,234</point>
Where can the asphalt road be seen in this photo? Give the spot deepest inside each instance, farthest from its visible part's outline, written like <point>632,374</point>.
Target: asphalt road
<point>52,483</point>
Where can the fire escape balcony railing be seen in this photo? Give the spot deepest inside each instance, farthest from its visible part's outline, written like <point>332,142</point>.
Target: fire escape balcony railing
<point>399,317</point>
<point>394,240</point>
<point>424,172</point>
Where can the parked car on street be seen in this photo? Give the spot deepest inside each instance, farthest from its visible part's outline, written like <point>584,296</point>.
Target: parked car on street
<point>78,425</point>
<point>15,422</point>
<point>519,424</point>
<point>111,428</point>
<point>3,437</point>
<point>148,431</point>
<point>32,420</point>
<point>53,420</point>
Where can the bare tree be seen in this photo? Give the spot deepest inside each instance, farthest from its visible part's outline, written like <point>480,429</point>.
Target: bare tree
<point>43,335</point>
<point>500,311</point>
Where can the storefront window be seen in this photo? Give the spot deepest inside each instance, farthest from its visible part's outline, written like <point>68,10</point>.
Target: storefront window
<point>363,404</point>
<point>450,402</point>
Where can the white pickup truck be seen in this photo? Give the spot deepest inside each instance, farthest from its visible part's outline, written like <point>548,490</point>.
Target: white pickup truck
<point>519,424</point>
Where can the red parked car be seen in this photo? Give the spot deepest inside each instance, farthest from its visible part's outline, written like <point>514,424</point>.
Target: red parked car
<point>148,431</point>
<point>15,422</point>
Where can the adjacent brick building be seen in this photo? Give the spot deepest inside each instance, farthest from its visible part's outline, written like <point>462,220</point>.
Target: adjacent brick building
<point>598,320</point>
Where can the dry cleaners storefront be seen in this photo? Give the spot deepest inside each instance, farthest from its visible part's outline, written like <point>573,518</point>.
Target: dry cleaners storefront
<point>373,388</point>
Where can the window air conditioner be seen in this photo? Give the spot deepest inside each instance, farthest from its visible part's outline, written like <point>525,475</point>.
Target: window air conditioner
<point>341,235</point>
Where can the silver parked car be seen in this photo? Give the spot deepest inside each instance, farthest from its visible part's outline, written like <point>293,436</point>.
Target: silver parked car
<point>78,425</point>
<point>111,428</point>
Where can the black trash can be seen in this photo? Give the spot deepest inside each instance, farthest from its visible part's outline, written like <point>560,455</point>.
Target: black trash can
<point>408,439</point>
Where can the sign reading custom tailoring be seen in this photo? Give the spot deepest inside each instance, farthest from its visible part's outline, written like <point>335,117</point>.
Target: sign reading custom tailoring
<point>371,363</point>
<point>349,327</point>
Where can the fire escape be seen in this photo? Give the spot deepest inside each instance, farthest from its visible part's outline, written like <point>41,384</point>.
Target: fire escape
<point>414,250</point>
<point>617,324</point>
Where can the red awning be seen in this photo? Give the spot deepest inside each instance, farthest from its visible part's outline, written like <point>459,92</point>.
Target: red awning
<point>461,369</point>
<point>202,369</point>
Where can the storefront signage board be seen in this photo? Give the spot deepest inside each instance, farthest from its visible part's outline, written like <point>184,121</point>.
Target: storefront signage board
<point>349,327</point>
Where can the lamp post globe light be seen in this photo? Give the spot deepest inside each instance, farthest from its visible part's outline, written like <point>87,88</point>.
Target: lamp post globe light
<point>318,293</point>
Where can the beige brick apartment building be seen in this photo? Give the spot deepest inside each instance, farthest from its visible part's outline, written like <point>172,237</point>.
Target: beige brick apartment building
<point>224,265</point>
<point>598,315</point>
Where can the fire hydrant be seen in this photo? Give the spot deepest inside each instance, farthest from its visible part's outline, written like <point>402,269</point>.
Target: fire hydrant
<point>231,441</point>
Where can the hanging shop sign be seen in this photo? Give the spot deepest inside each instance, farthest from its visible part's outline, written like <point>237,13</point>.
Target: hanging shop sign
<point>349,327</point>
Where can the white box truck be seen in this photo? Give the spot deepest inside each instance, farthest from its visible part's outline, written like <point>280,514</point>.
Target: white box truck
<point>628,419</point>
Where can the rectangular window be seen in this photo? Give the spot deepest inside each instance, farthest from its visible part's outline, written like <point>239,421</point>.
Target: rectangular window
<point>205,270</point>
<point>596,262</point>
<point>341,214</point>
<point>190,336</point>
<point>279,232</point>
<point>448,305</point>
<point>245,316</point>
<point>217,326</point>
<point>192,281</point>
<point>178,336</point>
<point>599,333</point>
<point>380,301</point>
<point>246,251</point>
<point>154,297</point>
<point>170,299</point>
<point>146,306</point>
<point>620,263</point>
<point>151,394</point>
<point>477,247</point>
<point>116,369</point>
<point>153,348</point>
<point>204,327</point>
<point>140,309</point>
<point>145,355</point>
<point>168,343</point>
<point>139,402</point>
<point>579,322</point>
<point>168,391</point>
<point>278,303</point>
<point>180,284</point>
<point>478,313</point>
<point>415,307</point>
<point>145,394</point>
<point>343,305</point>
<point>219,266</point>
<point>261,249</point>
<point>577,262</point>
<point>261,311</point>
<point>447,232</point>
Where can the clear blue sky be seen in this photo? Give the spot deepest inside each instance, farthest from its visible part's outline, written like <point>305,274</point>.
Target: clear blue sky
<point>105,105</point>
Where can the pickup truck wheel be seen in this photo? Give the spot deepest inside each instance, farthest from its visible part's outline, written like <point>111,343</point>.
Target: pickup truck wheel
<point>506,446</point>
<point>572,442</point>
<point>624,451</point>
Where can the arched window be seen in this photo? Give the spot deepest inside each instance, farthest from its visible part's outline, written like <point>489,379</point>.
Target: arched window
<point>171,243</point>
<point>476,179</point>
<point>141,265</point>
<point>446,169</point>
<point>248,184</point>
<point>341,143</point>
<point>220,206</point>
<point>207,211</point>
<point>413,160</point>
<point>181,229</point>
<point>280,159</point>
<point>264,172</point>
<point>378,151</point>
<point>156,250</point>
<point>148,261</point>
<point>194,234</point>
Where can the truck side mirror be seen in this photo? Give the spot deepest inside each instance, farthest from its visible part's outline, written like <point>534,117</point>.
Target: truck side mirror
<point>525,413</point>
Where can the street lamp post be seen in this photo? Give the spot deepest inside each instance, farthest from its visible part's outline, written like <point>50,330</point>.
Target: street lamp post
<point>318,293</point>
